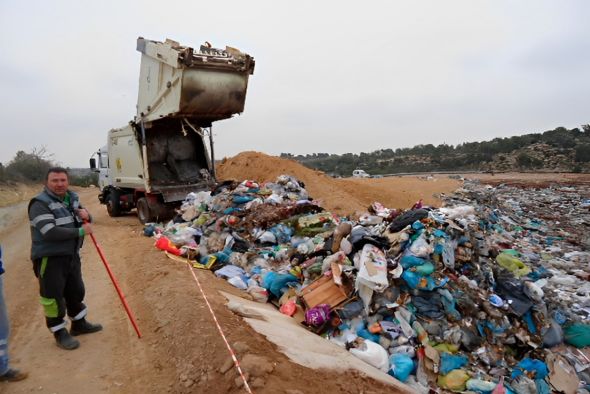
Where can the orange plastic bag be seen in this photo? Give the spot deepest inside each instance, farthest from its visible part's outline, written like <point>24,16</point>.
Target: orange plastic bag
<point>164,243</point>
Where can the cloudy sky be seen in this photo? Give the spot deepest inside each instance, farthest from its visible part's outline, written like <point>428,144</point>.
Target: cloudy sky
<point>331,76</point>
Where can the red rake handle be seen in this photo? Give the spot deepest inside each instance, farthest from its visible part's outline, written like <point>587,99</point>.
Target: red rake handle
<point>116,284</point>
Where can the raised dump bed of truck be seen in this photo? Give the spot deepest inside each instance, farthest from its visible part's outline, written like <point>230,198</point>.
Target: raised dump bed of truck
<point>175,81</point>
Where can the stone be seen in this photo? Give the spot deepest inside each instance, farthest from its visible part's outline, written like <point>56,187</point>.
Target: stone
<point>258,383</point>
<point>241,348</point>
<point>256,365</point>
<point>229,362</point>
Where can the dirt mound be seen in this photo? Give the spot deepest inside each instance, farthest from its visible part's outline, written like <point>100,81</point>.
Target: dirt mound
<point>340,196</point>
<point>260,167</point>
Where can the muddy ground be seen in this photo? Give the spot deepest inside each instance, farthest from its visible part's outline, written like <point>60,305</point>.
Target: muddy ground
<point>181,350</point>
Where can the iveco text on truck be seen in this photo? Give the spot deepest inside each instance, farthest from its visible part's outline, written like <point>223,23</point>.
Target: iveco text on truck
<point>166,151</point>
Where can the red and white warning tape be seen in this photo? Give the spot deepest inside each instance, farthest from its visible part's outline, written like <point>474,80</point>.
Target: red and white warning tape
<point>231,351</point>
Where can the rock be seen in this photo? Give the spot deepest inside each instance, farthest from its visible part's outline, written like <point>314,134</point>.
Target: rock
<point>239,382</point>
<point>258,383</point>
<point>189,383</point>
<point>229,362</point>
<point>241,348</point>
<point>207,377</point>
<point>256,365</point>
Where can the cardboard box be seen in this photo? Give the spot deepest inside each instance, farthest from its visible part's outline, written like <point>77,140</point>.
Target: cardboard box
<point>324,291</point>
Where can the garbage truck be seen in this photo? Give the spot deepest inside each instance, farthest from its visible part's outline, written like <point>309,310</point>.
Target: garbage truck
<point>167,150</point>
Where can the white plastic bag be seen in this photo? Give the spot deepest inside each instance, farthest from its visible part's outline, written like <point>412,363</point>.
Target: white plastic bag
<point>373,354</point>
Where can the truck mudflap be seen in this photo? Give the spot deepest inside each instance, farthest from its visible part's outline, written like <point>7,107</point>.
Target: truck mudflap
<point>178,193</point>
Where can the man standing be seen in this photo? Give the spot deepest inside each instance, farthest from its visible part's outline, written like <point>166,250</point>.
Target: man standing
<point>7,374</point>
<point>58,226</point>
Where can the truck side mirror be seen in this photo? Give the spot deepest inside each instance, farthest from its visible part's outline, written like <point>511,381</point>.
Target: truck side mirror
<point>93,163</point>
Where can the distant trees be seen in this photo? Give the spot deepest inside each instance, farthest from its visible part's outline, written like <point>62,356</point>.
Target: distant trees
<point>583,153</point>
<point>465,156</point>
<point>32,167</point>
<point>28,166</point>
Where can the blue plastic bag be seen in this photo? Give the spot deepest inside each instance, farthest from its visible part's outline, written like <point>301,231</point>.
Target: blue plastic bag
<point>282,233</point>
<point>410,260</point>
<point>449,362</point>
<point>274,282</point>
<point>242,199</point>
<point>530,365</point>
<point>416,281</point>
<point>401,366</point>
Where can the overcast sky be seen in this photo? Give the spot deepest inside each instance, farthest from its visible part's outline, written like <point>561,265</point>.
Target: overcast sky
<point>331,76</point>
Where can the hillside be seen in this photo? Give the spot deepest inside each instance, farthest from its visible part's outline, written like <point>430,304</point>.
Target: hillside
<point>558,150</point>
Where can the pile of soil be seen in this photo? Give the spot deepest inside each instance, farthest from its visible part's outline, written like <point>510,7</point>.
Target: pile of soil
<point>340,196</point>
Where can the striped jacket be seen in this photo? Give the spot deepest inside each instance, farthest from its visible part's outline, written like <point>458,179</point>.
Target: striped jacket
<point>55,228</point>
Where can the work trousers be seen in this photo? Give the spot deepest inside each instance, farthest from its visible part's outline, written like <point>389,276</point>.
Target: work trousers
<point>61,289</point>
<point>4,331</point>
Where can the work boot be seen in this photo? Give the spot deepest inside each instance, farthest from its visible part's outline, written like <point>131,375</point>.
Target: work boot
<point>82,326</point>
<point>64,340</point>
<point>13,375</point>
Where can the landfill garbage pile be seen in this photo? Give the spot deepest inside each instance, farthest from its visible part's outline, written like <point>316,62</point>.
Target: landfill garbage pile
<point>487,294</point>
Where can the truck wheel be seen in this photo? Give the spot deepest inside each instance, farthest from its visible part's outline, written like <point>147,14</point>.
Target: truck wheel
<point>144,214</point>
<point>113,204</point>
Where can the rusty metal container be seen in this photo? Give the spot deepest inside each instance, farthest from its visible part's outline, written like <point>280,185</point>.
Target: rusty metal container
<point>204,85</point>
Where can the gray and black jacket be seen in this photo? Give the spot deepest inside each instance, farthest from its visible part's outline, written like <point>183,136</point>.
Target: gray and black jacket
<point>55,228</point>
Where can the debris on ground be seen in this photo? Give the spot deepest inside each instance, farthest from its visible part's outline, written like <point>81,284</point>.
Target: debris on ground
<point>489,293</point>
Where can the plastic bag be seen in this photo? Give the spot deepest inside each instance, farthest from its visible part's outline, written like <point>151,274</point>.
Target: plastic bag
<point>274,282</point>
<point>480,386</point>
<point>372,353</point>
<point>533,291</point>
<point>449,362</point>
<point>238,281</point>
<point>416,281</point>
<point>454,380</point>
<point>424,269</point>
<point>420,247</point>
<point>164,243</point>
<point>317,315</point>
<point>288,308</point>
<point>552,335</point>
<point>460,211</point>
<point>402,366</point>
<point>409,260</point>
<point>531,365</point>
<point>512,264</point>
<point>373,268</point>
<point>577,335</point>
<point>259,294</point>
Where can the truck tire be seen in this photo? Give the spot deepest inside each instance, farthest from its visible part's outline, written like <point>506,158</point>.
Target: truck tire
<point>144,213</point>
<point>113,203</point>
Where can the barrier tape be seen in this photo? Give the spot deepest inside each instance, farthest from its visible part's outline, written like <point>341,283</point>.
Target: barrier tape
<point>231,351</point>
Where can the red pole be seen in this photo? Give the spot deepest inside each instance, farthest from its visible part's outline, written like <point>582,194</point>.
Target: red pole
<point>114,280</point>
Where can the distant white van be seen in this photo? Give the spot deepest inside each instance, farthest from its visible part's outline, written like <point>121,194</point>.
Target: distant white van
<point>360,174</point>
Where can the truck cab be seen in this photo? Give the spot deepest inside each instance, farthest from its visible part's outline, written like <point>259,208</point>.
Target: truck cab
<point>99,163</point>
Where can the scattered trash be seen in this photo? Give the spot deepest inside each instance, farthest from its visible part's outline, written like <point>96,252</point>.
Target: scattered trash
<point>484,294</point>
